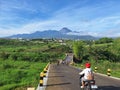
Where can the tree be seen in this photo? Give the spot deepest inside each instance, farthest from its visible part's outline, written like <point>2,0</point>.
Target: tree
<point>78,49</point>
<point>104,40</point>
<point>115,50</point>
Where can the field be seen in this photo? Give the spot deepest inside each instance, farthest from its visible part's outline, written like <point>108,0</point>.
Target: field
<point>103,54</point>
<point>21,61</point>
<point>22,74</point>
<point>102,67</point>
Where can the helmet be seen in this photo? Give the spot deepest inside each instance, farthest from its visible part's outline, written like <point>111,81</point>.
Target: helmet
<point>87,65</point>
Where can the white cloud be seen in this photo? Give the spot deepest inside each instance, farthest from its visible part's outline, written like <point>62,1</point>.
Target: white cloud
<point>4,32</point>
<point>15,5</point>
<point>84,18</point>
<point>95,27</point>
<point>28,28</point>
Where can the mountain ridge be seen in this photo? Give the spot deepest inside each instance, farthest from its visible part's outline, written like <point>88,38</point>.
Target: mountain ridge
<point>48,34</point>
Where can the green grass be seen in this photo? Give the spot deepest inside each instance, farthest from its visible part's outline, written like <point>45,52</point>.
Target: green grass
<point>15,74</point>
<point>22,62</point>
<point>103,66</point>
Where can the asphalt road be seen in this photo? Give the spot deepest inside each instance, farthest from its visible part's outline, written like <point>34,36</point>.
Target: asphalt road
<point>64,77</point>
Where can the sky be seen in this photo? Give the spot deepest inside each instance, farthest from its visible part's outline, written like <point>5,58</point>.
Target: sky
<point>100,18</point>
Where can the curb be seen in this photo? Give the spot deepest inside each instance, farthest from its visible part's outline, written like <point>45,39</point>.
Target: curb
<point>107,76</point>
<point>44,81</point>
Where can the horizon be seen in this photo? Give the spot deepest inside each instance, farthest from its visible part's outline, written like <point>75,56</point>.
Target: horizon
<point>99,18</point>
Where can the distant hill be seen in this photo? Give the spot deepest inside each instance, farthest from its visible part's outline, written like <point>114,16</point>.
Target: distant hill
<point>48,34</point>
<point>65,30</point>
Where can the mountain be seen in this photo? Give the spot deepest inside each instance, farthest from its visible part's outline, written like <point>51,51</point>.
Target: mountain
<point>65,30</point>
<point>48,34</point>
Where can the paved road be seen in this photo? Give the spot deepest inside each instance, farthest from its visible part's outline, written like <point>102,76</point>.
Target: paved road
<point>65,77</point>
<point>62,77</point>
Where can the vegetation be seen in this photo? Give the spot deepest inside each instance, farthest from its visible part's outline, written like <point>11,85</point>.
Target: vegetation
<point>103,51</point>
<point>78,49</point>
<point>21,61</point>
<point>102,67</point>
<point>105,54</point>
<point>104,40</point>
<point>14,74</point>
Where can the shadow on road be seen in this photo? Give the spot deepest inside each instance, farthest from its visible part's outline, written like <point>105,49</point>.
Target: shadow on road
<point>54,76</point>
<point>108,88</point>
<point>56,72</point>
<point>58,84</point>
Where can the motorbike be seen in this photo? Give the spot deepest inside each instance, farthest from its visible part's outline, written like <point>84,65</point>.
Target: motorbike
<point>89,85</point>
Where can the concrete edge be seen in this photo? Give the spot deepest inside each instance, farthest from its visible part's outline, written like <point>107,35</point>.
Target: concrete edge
<point>44,80</point>
<point>107,76</point>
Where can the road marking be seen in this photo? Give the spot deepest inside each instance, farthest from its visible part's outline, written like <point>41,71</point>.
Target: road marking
<point>31,88</point>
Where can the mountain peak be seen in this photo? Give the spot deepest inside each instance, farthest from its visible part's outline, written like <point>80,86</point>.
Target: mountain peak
<point>64,33</point>
<point>65,30</point>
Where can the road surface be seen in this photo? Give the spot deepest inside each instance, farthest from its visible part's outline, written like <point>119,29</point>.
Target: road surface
<point>64,77</point>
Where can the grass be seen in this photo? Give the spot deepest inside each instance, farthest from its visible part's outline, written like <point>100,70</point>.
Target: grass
<point>22,62</point>
<point>103,66</point>
<point>14,74</point>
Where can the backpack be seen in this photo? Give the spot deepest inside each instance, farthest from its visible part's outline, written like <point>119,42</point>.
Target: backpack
<point>90,76</point>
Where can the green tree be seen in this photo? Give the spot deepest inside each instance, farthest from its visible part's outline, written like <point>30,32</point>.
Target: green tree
<point>115,50</point>
<point>78,49</point>
<point>104,40</point>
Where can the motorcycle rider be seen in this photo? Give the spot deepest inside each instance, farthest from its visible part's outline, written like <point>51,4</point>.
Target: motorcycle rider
<point>86,74</point>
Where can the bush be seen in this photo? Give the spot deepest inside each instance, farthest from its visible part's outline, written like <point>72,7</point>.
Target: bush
<point>4,55</point>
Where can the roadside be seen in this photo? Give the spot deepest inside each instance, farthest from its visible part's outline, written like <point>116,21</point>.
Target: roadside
<point>97,73</point>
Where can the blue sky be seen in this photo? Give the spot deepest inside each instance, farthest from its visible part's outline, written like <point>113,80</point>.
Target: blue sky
<point>93,17</point>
